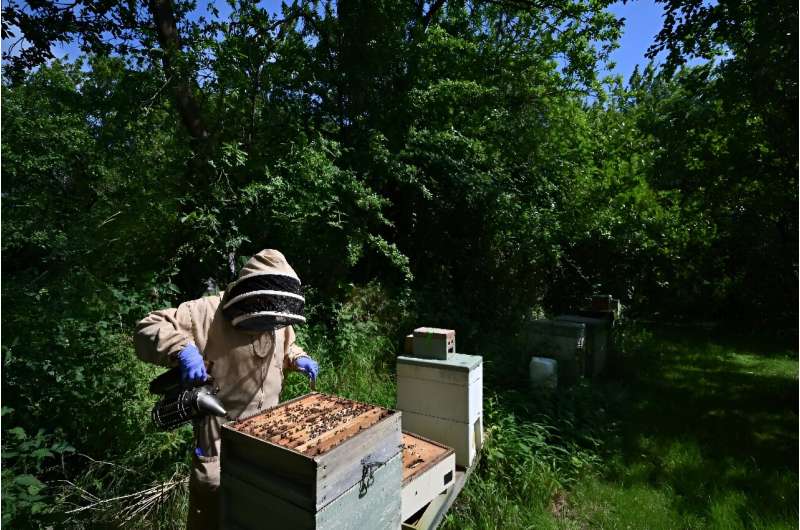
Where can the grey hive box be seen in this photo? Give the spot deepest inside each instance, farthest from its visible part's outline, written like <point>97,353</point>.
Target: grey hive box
<point>434,343</point>
<point>562,341</point>
<point>443,400</point>
<point>597,330</point>
<point>315,462</point>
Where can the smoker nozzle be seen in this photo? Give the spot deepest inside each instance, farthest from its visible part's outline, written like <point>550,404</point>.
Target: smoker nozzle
<point>207,403</point>
<point>175,409</point>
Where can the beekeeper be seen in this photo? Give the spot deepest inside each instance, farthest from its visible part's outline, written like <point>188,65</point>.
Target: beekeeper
<point>247,333</point>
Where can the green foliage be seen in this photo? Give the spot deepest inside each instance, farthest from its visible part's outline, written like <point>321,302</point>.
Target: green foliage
<point>25,456</point>
<point>456,164</point>
<point>357,354</point>
<point>525,465</point>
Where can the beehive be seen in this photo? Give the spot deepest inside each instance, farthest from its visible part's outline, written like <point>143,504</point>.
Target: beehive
<point>443,400</point>
<point>428,469</point>
<point>562,341</point>
<point>434,343</point>
<point>597,330</point>
<point>317,462</point>
<point>601,302</point>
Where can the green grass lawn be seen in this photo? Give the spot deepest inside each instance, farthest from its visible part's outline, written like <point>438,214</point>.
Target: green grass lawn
<point>688,430</point>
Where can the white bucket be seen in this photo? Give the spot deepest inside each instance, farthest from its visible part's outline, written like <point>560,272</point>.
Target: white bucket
<point>543,373</point>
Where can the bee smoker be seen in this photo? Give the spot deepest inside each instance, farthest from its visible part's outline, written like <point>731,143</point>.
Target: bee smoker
<point>181,403</point>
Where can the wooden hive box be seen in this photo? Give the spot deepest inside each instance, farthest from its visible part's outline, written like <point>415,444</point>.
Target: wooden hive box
<point>434,343</point>
<point>443,400</point>
<point>601,302</point>
<point>315,462</point>
<point>559,340</point>
<point>429,468</point>
<point>597,331</point>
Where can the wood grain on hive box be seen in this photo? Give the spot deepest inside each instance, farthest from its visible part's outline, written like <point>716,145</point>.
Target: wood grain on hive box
<point>434,343</point>
<point>307,453</point>
<point>376,507</point>
<point>428,469</point>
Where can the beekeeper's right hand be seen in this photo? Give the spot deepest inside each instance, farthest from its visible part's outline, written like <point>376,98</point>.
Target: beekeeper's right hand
<point>193,369</point>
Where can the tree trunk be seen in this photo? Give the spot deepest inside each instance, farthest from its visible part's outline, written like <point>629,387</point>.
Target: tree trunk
<point>177,71</point>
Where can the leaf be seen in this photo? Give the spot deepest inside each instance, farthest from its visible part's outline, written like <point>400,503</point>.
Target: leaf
<point>62,447</point>
<point>19,432</point>
<point>42,453</point>
<point>28,481</point>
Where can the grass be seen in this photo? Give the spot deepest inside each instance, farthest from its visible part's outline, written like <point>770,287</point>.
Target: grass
<point>689,430</point>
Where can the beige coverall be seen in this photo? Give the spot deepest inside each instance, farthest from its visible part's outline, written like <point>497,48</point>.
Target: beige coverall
<point>248,367</point>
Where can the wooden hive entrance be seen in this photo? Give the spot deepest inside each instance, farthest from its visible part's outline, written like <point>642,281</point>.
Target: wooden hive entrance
<point>317,461</point>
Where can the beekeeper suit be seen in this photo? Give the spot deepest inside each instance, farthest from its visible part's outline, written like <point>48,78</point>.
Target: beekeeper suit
<point>247,333</point>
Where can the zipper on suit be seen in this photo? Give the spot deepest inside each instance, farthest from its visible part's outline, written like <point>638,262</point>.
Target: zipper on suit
<point>264,366</point>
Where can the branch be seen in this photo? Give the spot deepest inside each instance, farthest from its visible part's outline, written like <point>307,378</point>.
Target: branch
<point>184,85</point>
<point>437,5</point>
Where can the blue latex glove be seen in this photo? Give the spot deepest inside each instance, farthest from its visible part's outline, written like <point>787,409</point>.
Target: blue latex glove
<point>191,363</point>
<point>308,366</point>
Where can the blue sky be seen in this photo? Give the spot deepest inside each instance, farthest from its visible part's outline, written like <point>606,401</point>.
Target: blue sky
<point>643,20</point>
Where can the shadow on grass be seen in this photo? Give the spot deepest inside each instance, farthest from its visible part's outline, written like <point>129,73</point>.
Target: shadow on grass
<point>711,424</point>
<point>687,429</point>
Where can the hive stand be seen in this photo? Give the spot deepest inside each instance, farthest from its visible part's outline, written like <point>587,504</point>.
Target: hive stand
<point>315,462</point>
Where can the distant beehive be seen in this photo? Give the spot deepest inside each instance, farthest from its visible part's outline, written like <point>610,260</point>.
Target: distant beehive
<point>597,330</point>
<point>562,341</point>
<point>443,400</point>
<point>601,302</point>
<point>316,462</point>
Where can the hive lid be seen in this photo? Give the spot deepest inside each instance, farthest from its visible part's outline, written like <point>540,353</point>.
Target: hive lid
<point>559,328</point>
<point>582,319</point>
<point>556,323</point>
<point>434,331</point>
<point>457,361</point>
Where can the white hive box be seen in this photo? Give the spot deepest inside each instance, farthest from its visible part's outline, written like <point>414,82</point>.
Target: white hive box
<point>559,340</point>
<point>316,462</point>
<point>429,469</point>
<point>443,400</point>
<point>597,330</point>
<point>543,373</point>
<point>434,343</point>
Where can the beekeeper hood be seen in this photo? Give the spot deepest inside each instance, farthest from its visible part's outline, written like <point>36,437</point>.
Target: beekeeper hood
<point>266,295</point>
